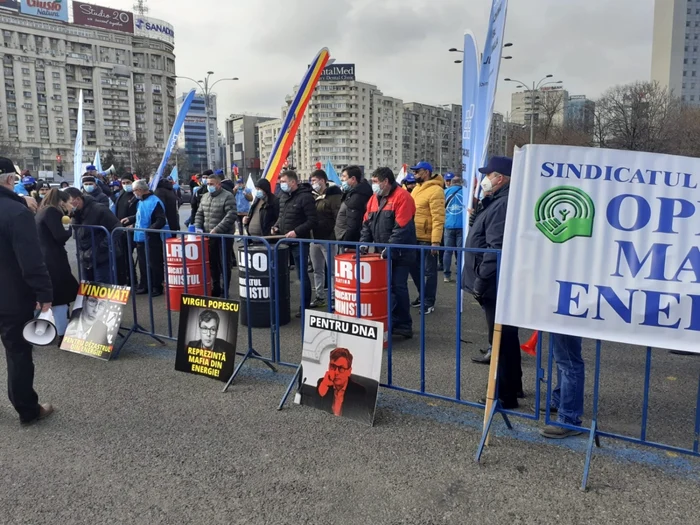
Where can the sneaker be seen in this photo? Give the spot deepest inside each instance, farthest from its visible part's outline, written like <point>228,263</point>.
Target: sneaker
<point>429,310</point>
<point>483,359</point>
<point>416,303</point>
<point>555,432</point>
<point>319,302</point>
<point>447,280</point>
<point>44,411</point>
<point>552,410</point>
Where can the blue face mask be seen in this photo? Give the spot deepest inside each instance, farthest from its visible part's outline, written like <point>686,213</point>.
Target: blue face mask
<point>260,194</point>
<point>376,188</point>
<point>89,188</point>
<point>204,182</point>
<point>345,186</point>
<point>284,187</point>
<point>128,188</point>
<point>211,189</point>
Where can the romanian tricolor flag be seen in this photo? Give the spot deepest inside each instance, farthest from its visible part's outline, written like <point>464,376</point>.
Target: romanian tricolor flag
<point>294,116</point>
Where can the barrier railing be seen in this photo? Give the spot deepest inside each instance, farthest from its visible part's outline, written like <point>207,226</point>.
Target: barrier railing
<point>397,365</point>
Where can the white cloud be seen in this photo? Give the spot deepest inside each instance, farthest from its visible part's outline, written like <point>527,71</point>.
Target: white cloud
<point>401,46</point>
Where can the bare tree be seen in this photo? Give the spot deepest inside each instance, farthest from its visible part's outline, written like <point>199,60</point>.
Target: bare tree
<point>639,116</point>
<point>550,104</point>
<point>10,150</point>
<point>145,158</point>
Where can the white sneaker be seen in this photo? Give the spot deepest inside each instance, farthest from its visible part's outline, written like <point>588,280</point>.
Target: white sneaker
<point>447,280</point>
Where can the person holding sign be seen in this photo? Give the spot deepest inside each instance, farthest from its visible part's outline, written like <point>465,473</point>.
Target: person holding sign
<point>481,272</point>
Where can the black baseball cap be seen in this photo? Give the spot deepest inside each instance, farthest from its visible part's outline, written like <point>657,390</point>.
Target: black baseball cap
<point>7,166</point>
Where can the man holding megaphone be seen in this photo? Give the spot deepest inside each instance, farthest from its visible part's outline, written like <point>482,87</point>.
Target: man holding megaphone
<point>26,286</point>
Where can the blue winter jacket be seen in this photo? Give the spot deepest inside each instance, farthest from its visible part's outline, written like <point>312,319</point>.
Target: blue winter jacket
<point>454,207</point>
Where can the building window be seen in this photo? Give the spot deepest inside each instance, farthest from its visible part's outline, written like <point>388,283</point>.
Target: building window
<point>56,74</point>
<point>27,94</point>
<point>25,70</point>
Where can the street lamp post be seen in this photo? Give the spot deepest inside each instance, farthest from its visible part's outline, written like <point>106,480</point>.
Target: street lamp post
<point>535,86</point>
<point>207,90</point>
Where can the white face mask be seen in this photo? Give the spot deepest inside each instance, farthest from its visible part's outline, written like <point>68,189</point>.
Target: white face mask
<point>377,189</point>
<point>486,185</point>
<point>316,186</point>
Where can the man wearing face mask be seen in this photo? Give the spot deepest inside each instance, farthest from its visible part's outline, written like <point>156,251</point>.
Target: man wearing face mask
<point>91,188</point>
<point>217,214</point>
<point>356,194</point>
<point>243,199</point>
<point>429,197</point>
<point>124,207</point>
<point>198,193</point>
<point>297,220</point>
<point>389,220</point>
<point>480,274</point>
<point>264,211</point>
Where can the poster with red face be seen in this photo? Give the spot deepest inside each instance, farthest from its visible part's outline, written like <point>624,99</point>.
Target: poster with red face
<point>341,365</point>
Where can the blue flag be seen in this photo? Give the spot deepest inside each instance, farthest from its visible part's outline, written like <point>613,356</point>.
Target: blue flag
<point>332,174</point>
<point>177,126</point>
<point>470,87</point>
<point>174,175</point>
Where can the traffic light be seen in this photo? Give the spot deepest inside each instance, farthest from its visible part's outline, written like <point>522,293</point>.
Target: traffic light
<point>59,170</point>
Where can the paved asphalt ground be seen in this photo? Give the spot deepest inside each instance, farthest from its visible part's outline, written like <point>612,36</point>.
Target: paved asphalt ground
<point>133,441</point>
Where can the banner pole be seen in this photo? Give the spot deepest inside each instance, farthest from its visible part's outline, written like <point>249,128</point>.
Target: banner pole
<point>493,378</point>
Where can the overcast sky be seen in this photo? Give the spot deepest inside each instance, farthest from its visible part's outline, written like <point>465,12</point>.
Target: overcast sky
<point>401,45</point>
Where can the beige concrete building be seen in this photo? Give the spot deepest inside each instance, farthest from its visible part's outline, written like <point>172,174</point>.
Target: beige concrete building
<point>128,84</point>
<point>433,134</point>
<point>548,98</point>
<point>676,48</point>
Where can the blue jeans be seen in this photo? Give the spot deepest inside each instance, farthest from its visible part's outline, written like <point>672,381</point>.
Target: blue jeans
<point>567,397</point>
<point>430,273</point>
<point>453,239</point>
<point>400,301</point>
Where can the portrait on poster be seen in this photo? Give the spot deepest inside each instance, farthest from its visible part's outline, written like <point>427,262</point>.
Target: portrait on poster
<point>207,336</point>
<point>341,365</point>
<point>95,319</point>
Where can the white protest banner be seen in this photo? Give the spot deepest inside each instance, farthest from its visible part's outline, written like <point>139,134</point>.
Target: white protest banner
<point>603,244</point>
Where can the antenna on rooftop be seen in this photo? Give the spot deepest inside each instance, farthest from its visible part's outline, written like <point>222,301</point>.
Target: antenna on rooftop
<point>140,7</point>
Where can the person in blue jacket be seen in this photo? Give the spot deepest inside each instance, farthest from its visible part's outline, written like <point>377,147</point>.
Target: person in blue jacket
<point>150,215</point>
<point>244,198</point>
<point>454,224</point>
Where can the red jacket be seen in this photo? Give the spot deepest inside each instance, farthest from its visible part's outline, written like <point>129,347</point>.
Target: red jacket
<point>389,220</point>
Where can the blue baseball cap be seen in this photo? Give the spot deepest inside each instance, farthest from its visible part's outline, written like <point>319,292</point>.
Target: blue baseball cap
<point>449,176</point>
<point>409,179</point>
<point>219,172</point>
<point>502,165</point>
<point>422,165</point>
<point>28,180</point>
<point>115,183</point>
<point>239,181</point>
<point>91,168</point>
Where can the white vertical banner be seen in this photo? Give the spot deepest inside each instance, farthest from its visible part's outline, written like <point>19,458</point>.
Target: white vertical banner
<point>78,150</point>
<point>470,88</point>
<point>603,244</point>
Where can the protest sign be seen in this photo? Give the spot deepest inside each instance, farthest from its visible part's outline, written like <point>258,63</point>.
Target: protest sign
<point>206,343</point>
<point>341,365</point>
<point>95,319</point>
<point>603,244</point>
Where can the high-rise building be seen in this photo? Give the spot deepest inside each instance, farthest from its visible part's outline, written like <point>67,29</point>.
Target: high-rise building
<point>433,134</point>
<point>127,79</point>
<point>268,132</point>
<point>549,102</point>
<point>193,138</point>
<point>674,57</point>
<point>348,122</point>
<point>580,114</point>
<point>498,139</point>
<point>243,144</point>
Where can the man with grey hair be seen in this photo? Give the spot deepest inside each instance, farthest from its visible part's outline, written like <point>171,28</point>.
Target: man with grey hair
<point>26,287</point>
<point>150,215</point>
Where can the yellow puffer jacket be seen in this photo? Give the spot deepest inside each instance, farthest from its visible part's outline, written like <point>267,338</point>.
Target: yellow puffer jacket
<point>430,209</point>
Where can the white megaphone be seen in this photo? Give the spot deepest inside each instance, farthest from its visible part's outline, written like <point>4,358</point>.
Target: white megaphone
<point>41,330</point>
<point>110,171</point>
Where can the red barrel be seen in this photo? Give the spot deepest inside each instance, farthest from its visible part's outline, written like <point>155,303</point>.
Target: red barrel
<point>195,262</point>
<point>373,287</point>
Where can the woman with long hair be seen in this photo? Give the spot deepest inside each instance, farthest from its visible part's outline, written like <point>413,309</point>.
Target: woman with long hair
<point>52,238</point>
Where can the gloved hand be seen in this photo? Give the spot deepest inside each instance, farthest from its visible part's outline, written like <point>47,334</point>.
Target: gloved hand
<point>479,298</point>
<point>472,218</point>
<point>364,250</point>
<point>385,253</point>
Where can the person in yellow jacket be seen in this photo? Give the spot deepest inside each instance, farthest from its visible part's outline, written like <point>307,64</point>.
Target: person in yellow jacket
<point>429,197</point>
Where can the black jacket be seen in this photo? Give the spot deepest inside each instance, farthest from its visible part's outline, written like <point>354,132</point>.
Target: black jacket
<point>327,209</point>
<point>197,195</point>
<point>358,403</point>
<point>480,269</point>
<point>298,212</point>
<point>269,209</point>
<point>93,214</point>
<point>164,191</point>
<point>348,224</point>
<point>125,206</point>
<point>99,196</point>
<point>24,278</point>
<point>52,239</point>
